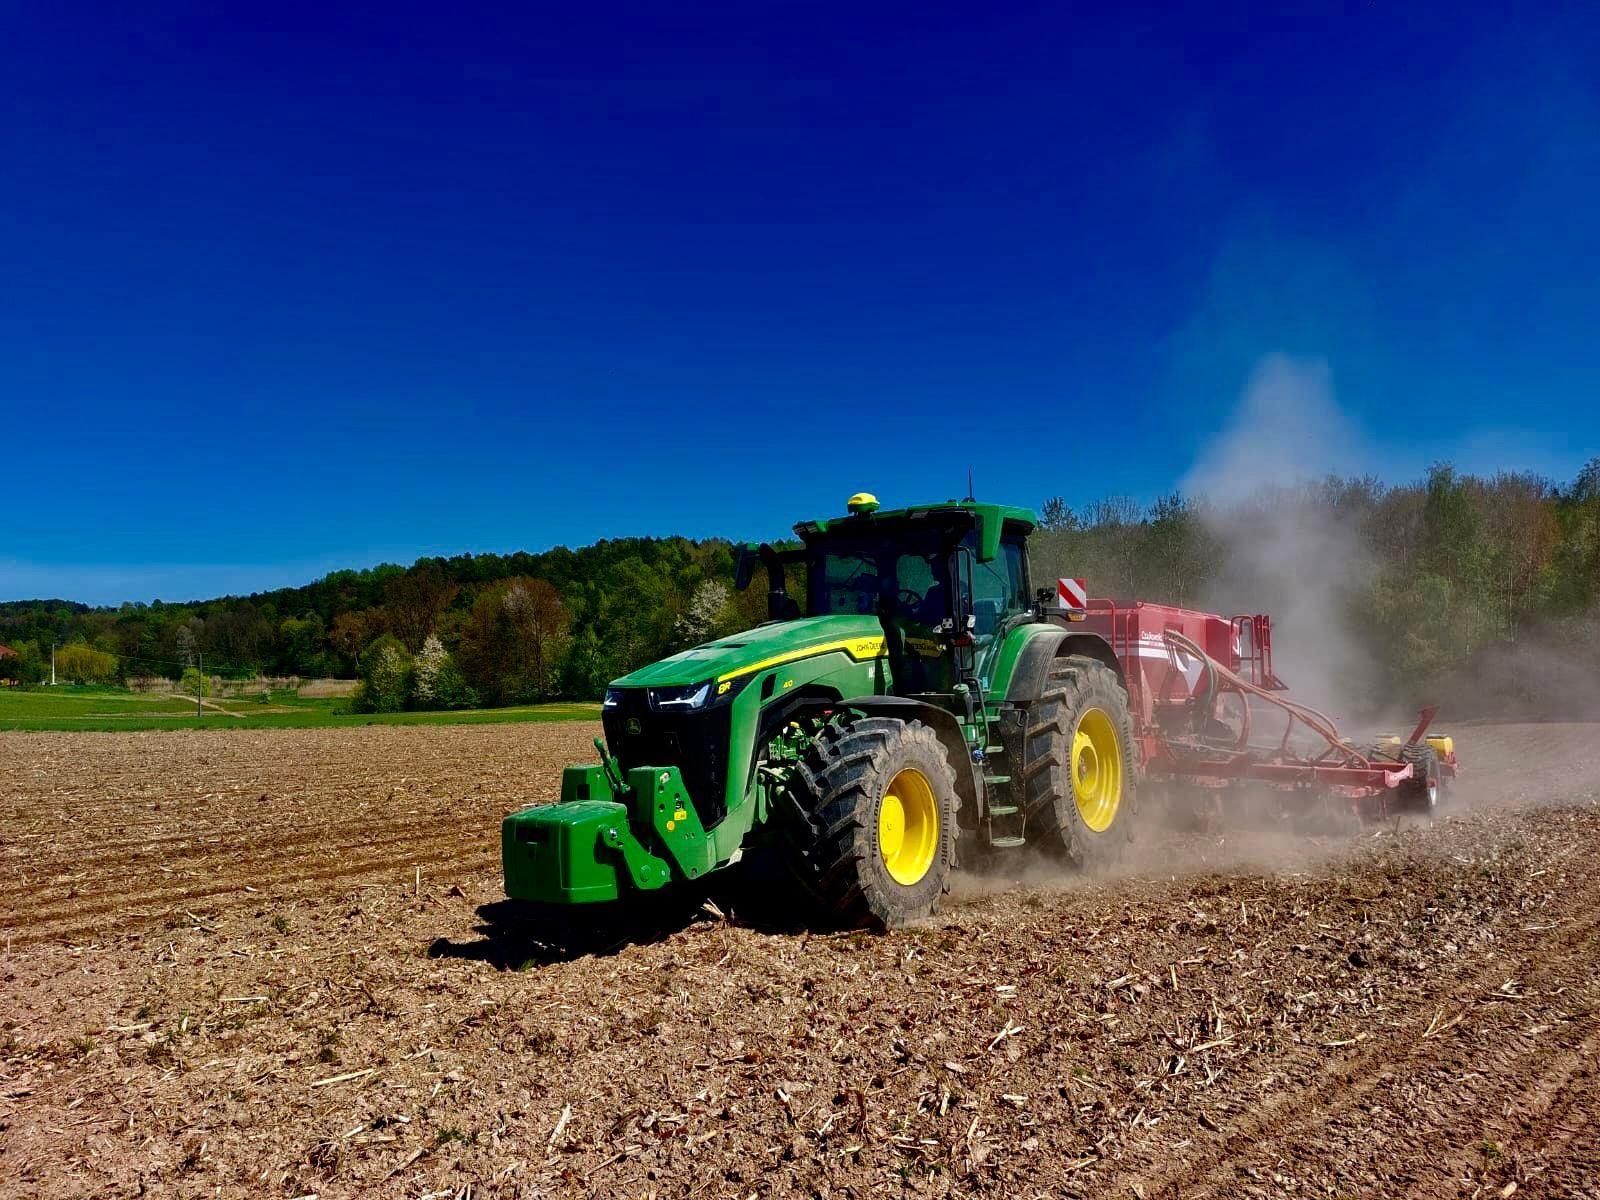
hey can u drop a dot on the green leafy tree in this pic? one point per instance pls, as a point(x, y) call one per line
point(451, 689)
point(385, 678)
point(80, 663)
point(586, 669)
point(193, 682)
point(302, 642)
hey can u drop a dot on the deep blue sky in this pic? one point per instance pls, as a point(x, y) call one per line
point(283, 290)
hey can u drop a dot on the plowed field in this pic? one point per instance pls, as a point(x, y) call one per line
point(252, 964)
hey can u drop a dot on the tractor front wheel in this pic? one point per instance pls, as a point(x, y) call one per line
point(870, 821)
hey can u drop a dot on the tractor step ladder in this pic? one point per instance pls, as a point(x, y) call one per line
point(1007, 816)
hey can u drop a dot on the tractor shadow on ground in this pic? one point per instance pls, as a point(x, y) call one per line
point(516, 936)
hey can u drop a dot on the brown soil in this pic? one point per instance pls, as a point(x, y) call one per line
point(221, 977)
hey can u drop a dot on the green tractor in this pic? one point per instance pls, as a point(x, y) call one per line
point(929, 700)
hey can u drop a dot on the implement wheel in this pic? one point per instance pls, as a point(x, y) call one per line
point(1420, 793)
point(870, 822)
point(1079, 771)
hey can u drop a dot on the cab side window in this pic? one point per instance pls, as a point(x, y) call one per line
point(997, 589)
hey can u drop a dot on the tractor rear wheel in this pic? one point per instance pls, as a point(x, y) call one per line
point(1079, 769)
point(870, 821)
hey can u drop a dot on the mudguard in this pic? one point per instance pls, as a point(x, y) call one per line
point(1032, 673)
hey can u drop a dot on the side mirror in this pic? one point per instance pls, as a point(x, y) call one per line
point(778, 604)
point(744, 566)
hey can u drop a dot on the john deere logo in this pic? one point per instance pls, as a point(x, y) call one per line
point(634, 726)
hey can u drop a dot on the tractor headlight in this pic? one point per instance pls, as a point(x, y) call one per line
point(613, 698)
point(695, 697)
point(690, 696)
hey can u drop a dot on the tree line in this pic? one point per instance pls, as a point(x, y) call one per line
point(461, 631)
point(1419, 585)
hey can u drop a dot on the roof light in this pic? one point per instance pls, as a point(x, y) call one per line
point(863, 502)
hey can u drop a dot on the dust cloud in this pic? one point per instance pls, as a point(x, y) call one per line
point(1550, 673)
point(1284, 545)
point(1163, 847)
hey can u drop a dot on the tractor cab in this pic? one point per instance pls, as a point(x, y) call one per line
point(944, 580)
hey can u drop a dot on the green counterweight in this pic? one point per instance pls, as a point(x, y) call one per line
point(584, 849)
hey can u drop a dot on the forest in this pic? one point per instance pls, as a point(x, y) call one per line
point(1474, 588)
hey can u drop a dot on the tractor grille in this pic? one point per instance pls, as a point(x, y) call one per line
point(694, 742)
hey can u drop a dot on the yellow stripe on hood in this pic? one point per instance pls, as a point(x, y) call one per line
point(860, 648)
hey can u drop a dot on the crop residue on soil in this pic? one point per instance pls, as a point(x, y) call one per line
point(251, 964)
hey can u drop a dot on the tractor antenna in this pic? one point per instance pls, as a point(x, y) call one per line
point(969, 485)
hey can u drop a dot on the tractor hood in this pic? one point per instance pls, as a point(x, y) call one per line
point(861, 637)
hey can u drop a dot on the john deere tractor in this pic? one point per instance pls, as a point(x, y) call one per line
point(910, 697)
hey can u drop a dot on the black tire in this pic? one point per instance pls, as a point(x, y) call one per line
point(1077, 685)
point(1423, 791)
point(830, 818)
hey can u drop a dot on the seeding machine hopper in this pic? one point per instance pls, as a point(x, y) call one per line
point(918, 694)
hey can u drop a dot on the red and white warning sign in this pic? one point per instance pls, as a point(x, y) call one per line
point(1074, 593)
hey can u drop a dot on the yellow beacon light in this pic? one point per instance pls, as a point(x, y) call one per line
point(863, 502)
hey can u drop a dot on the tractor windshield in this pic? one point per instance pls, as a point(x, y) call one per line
point(904, 574)
point(884, 571)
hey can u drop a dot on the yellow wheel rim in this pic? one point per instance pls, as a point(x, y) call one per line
point(1096, 769)
point(908, 826)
